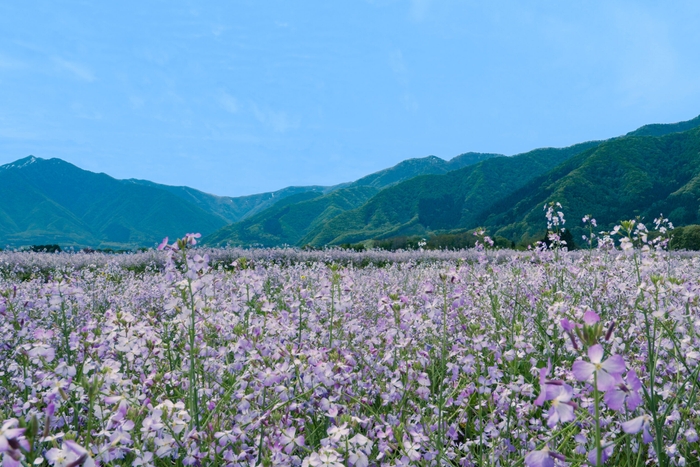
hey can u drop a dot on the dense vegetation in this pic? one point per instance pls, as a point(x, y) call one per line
point(181, 357)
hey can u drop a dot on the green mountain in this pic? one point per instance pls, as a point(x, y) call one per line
point(661, 129)
point(423, 166)
point(231, 209)
point(440, 202)
point(292, 220)
point(655, 169)
point(621, 179)
point(507, 193)
point(52, 201)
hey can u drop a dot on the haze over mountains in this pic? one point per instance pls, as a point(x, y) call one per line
point(648, 171)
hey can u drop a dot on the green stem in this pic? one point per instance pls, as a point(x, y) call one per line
point(596, 397)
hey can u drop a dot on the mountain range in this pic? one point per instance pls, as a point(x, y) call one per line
point(50, 201)
point(654, 169)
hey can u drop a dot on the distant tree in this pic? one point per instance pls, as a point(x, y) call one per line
point(45, 248)
point(685, 238)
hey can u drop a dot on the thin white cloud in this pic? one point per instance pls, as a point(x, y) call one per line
point(279, 121)
point(419, 9)
point(10, 63)
point(228, 102)
point(409, 102)
point(76, 69)
point(81, 111)
point(17, 133)
point(397, 63)
point(136, 102)
point(398, 66)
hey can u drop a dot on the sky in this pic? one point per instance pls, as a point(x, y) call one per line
point(243, 97)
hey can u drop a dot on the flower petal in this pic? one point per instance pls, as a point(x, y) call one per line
point(595, 353)
point(590, 317)
point(615, 398)
point(633, 426)
point(566, 412)
point(614, 365)
point(582, 370)
point(539, 459)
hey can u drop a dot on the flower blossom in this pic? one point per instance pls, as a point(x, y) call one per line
point(616, 397)
point(638, 424)
point(542, 458)
point(607, 372)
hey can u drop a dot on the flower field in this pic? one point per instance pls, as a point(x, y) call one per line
point(283, 357)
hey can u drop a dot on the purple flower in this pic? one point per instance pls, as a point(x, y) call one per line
point(163, 244)
point(9, 434)
point(544, 372)
point(638, 424)
point(590, 317)
point(608, 372)
point(542, 458)
point(616, 397)
point(560, 394)
point(568, 326)
point(190, 238)
point(607, 451)
point(562, 408)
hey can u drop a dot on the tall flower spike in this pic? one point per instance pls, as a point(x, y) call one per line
point(608, 372)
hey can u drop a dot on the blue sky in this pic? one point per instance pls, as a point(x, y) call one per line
point(238, 97)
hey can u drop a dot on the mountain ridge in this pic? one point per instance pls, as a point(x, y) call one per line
point(656, 167)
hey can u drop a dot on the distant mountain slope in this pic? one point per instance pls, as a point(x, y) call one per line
point(284, 223)
point(238, 208)
point(52, 201)
point(231, 209)
point(440, 202)
point(620, 179)
point(288, 221)
point(423, 166)
point(655, 169)
point(661, 129)
point(468, 197)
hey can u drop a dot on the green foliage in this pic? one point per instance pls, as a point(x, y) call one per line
point(45, 248)
point(685, 238)
point(62, 204)
point(626, 177)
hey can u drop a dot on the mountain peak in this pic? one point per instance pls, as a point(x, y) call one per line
point(20, 163)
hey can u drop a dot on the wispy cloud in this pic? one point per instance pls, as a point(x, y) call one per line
point(136, 102)
point(398, 66)
point(10, 63)
point(228, 102)
point(16, 133)
point(81, 111)
point(76, 69)
point(279, 121)
point(419, 9)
